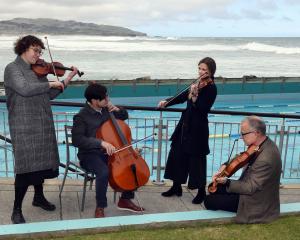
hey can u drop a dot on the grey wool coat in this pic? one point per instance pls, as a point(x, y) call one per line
point(30, 118)
point(258, 187)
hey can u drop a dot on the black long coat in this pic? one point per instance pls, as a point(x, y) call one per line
point(191, 134)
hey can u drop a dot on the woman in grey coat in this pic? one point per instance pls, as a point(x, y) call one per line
point(31, 123)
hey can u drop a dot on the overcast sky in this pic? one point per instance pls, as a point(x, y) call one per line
point(203, 18)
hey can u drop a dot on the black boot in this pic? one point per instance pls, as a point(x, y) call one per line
point(174, 190)
point(17, 216)
point(41, 201)
point(200, 196)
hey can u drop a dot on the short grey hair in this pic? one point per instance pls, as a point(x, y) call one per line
point(256, 123)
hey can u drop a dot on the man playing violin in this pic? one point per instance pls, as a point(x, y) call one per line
point(189, 147)
point(93, 152)
point(31, 123)
point(255, 195)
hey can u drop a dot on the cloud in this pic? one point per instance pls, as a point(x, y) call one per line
point(118, 11)
point(158, 14)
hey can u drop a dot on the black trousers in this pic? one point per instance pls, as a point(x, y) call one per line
point(182, 166)
point(222, 200)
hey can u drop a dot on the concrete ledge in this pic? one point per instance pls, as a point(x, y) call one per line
point(114, 223)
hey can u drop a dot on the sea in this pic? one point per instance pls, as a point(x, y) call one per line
point(104, 58)
point(166, 57)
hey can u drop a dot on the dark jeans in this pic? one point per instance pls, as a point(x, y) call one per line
point(222, 200)
point(96, 162)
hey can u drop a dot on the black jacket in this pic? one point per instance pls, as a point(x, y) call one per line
point(85, 126)
point(192, 130)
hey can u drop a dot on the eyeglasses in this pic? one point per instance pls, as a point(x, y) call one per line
point(37, 50)
point(246, 133)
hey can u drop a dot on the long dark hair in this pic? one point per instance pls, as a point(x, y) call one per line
point(211, 64)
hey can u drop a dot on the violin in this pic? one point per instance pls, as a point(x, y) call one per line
point(235, 164)
point(127, 169)
point(203, 81)
point(42, 69)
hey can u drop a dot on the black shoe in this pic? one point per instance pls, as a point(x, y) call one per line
point(174, 190)
point(200, 196)
point(17, 216)
point(43, 203)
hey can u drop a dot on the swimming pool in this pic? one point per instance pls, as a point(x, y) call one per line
point(224, 130)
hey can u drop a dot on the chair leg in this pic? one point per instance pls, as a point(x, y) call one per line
point(115, 196)
point(91, 181)
point(61, 189)
point(64, 180)
point(84, 192)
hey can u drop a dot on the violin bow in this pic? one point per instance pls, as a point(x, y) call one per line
point(183, 91)
point(51, 58)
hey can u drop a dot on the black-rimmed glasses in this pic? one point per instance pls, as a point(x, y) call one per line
point(246, 133)
point(37, 50)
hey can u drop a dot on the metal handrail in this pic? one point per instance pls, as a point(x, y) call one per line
point(236, 113)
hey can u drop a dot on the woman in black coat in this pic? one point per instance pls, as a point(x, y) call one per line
point(189, 147)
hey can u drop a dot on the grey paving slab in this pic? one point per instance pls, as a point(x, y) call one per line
point(90, 204)
point(37, 214)
point(289, 195)
point(4, 187)
point(70, 206)
point(148, 197)
point(155, 203)
point(6, 200)
point(187, 199)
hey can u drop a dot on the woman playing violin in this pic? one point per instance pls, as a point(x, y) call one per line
point(255, 195)
point(189, 147)
point(31, 123)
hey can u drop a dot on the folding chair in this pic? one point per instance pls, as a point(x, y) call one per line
point(75, 168)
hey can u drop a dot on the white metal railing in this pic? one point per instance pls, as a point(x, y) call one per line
point(155, 150)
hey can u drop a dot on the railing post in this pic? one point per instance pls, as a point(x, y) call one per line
point(159, 149)
point(280, 146)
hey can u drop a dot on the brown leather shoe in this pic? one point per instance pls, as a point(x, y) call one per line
point(99, 212)
point(128, 205)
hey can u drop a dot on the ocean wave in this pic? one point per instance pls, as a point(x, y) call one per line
point(259, 47)
point(151, 44)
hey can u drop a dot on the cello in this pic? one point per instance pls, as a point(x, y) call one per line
point(235, 164)
point(127, 169)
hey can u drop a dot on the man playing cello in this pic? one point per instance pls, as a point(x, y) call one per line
point(93, 152)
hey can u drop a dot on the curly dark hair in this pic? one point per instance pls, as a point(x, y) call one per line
point(211, 64)
point(95, 91)
point(23, 43)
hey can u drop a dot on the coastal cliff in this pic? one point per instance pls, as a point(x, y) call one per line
point(59, 27)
